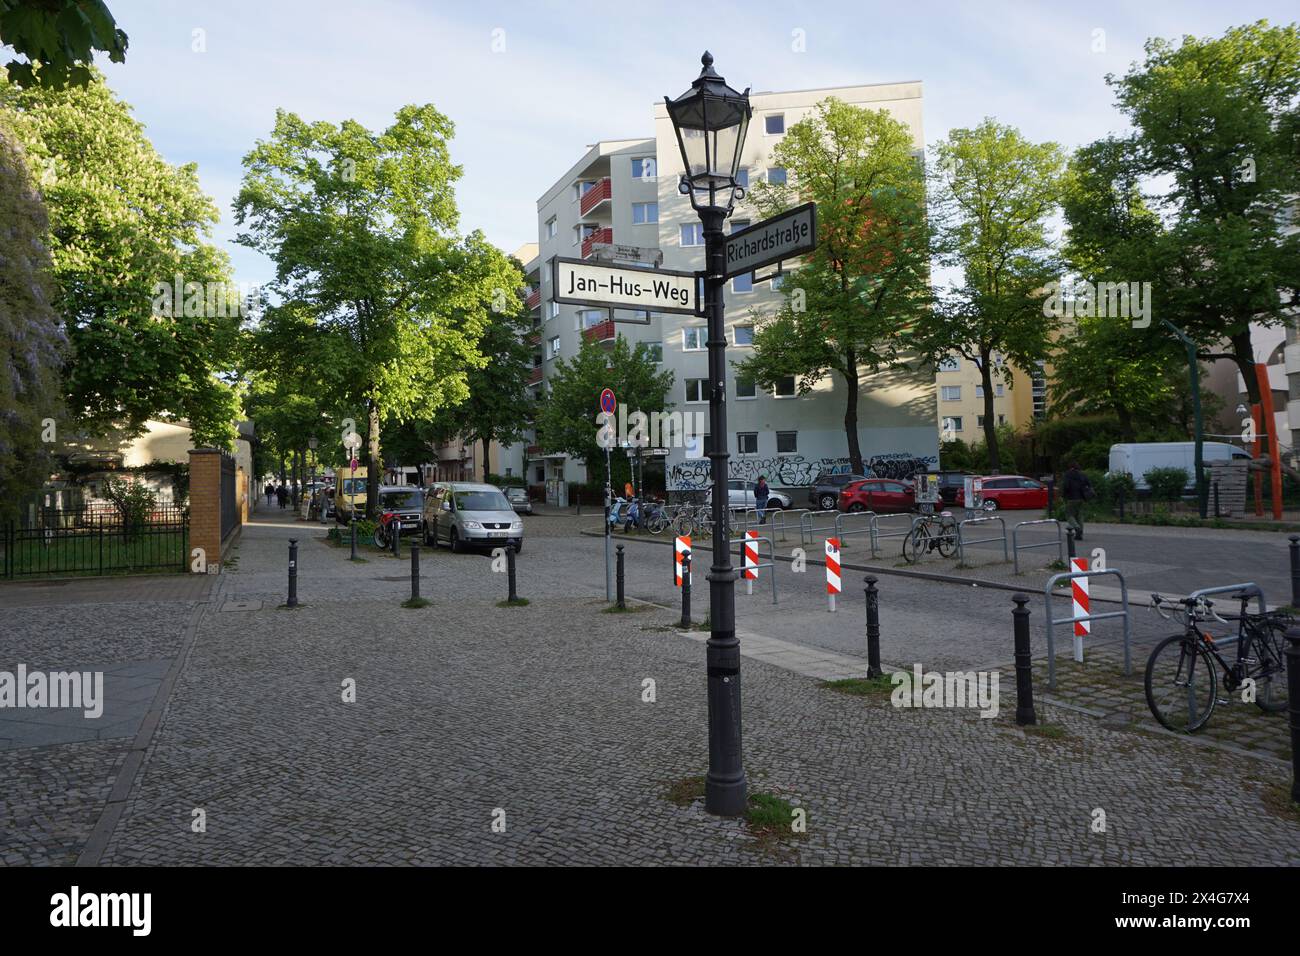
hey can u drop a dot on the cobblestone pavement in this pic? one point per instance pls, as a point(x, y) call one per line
point(464, 708)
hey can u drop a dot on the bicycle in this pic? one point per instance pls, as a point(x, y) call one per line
point(1181, 681)
point(925, 537)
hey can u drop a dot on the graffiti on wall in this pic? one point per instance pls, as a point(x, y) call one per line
point(792, 471)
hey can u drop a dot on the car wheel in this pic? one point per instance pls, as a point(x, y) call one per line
point(990, 504)
point(517, 545)
point(827, 502)
point(857, 507)
point(455, 542)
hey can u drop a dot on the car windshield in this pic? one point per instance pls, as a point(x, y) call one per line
point(481, 501)
point(516, 492)
point(402, 500)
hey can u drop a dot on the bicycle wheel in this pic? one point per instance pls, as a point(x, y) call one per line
point(947, 540)
point(1272, 692)
point(683, 525)
point(1181, 685)
point(916, 544)
point(658, 521)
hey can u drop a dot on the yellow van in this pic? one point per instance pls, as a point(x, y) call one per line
point(350, 492)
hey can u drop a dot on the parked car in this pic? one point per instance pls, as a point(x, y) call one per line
point(350, 492)
point(740, 496)
point(401, 505)
point(1009, 492)
point(825, 492)
point(950, 483)
point(519, 500)
point(1137, 458)
point(467, 515)
point(878, 494)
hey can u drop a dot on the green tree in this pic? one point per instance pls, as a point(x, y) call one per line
point(31, 342)
point(361, 227)
point(59, 39)
point(846, 308)
point(1216, 137)
point(994, 194)
point(125, 224)
point(566, 419)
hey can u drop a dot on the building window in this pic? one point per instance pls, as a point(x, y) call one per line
point(540, 474)
point(655, 351)
point(774, 124)
point(950, 393)
point(745, 388)
point(951, 364)
point(997, 391)
point(742, 177)
point(694, 338)
point(587, 318)
point(746, 443)
point(979, 421)
point(643, 167)
point(952, 423)
point(1038, 379)
point(706, 442)
point(787, 443)
point(744, 335)
point(581, 188)
point(778, 281)
point(551, 228)
point(784, 387)
point(776, 175)
point(697, 389)
point(1002, 419)
point(743, 282)
point(979, 391)
point(644, 212)
point(582, 231)
point(555, 346)
point(739, 224)
point(553, 308)
point(693, 234)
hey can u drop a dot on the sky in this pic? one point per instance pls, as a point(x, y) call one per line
point(530, 85)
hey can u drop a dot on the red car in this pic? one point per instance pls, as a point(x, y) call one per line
point(1012, 492)
point(877, 494)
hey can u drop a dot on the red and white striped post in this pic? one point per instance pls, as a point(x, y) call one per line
point(1079, 586)
point(751, 560)
point(832, 571)
point(681, 547)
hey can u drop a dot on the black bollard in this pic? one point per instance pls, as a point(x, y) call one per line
point(686, 589)
point(1295, 570)
point(1024, 663)
point(293, 573)
point(618, 576)
point(415, 572)
point(510, 571)
point(353, 522)
point(1051, 494)
point(1293, 688)
point(873, 627)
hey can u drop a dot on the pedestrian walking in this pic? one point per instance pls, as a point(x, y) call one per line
point(1076, 489)
point(269, 491)
point(282, 493)
point(761, 494)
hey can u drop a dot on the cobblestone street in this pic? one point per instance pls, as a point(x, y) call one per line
point(464, 709)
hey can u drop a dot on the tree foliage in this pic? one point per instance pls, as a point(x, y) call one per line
point(845, 309)
point(58, 38)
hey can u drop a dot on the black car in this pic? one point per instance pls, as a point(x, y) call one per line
point(825, 493)
point(950, 482)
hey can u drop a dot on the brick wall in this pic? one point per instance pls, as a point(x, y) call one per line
point(205, 506)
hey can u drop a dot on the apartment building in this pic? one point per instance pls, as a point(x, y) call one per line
point(620, 201)
point(1019, 399)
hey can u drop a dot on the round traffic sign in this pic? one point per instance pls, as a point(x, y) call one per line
point(607, 402)
point(354, 465)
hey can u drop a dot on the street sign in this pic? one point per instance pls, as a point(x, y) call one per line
point(613, 250)
point(657, 452)
point(604, 285)
point(354, 465)
point(607, 402)
point(786, 236)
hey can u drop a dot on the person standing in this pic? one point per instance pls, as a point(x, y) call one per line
point(761, 495)
point(282, 493)
point(1075, 489)
point(269, 491)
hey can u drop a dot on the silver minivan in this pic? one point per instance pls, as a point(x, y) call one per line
point(468, 515)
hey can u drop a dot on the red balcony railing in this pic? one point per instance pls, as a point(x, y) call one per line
point(534, 299)
point(600, 332)
point(599, 236)
point(534, 449)
point(597, 194)
point(536, 376)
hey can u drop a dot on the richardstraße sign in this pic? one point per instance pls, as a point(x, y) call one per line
point(604, 285)
point(786, 236)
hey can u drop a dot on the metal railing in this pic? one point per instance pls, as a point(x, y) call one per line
point(808, 525)
point(778, 520)
point(770, 564)
point(1059, 543)
point(1104, 616)
point(962, 540)
point(95, 546)
point(870, 529)
point(877, 535)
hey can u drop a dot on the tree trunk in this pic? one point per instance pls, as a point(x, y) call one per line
point(1244, 355)
point(487, 442)
point(851, 411)
point(990, 428)
point(1122, 412)
point(372, 455)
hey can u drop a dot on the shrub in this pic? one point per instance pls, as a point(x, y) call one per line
point(1112, 482)
point(507, 481)
point(134, 502)
point(1167, 484)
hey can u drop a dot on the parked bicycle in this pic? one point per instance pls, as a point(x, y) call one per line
point(1182, 685)
point(936, 532)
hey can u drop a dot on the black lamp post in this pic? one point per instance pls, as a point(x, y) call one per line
point(710, 120)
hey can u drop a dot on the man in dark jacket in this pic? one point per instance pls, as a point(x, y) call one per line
point(1075, 489)
point(761, 494)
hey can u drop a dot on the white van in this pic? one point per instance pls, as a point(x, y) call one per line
point(1140, 457)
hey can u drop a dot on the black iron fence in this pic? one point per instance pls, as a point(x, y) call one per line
point(91, 541)
point(229, 503)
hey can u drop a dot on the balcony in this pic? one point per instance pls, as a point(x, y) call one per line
point(600, 332)
point(536, 375)
point(598, 237)
point(597, 194)
point(534, 451)
point(534, 299)
point(533, 337)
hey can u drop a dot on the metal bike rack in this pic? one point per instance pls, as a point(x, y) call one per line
point(917, 521)
point(808, 525)
point(1059, 543)
point(877, 534)
point(962, 542)
point(1104, 616)
point(870, 529)
point(778, 519)
point(770, 564)
point(1248, 588)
